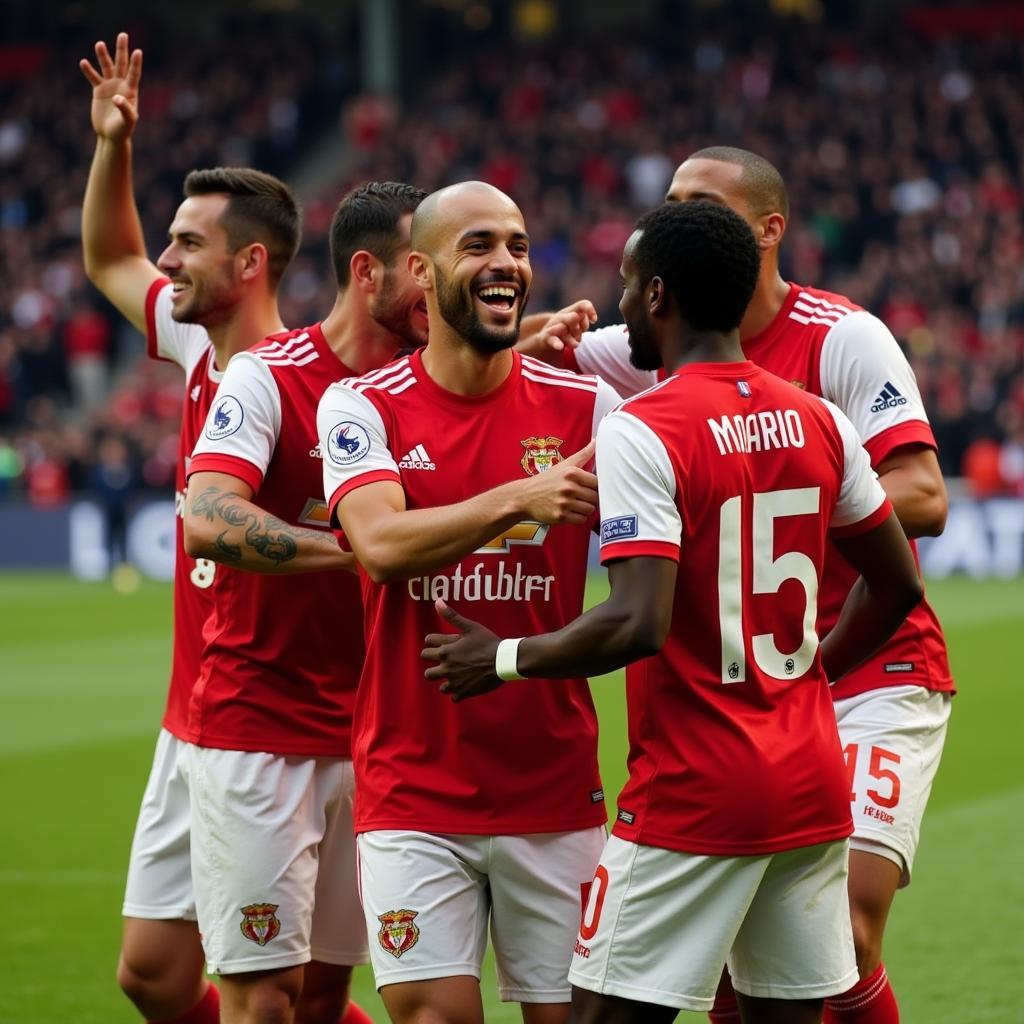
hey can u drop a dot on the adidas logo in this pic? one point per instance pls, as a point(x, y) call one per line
point(195, 393)
point(417, 458)
point(888, 398)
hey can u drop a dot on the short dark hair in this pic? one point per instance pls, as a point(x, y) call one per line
point(261, 208)
point(707, 257)
point(366, 218)
point(763, 185)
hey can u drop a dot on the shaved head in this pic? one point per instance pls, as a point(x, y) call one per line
point(761, 184)
point(446, 210)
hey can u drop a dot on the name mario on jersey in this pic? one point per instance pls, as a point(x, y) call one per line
point(758, 431)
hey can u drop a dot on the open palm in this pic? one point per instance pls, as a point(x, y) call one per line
point(115, 89)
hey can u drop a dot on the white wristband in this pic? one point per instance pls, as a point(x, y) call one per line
point(506, 660)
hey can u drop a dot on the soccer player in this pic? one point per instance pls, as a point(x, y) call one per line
point(718, 487)
point(270, 715)
point(211, 294)
point(892, 710)
point(452, 474)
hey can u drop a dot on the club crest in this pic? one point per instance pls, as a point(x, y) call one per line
point(398, 932)
point(260, 923)
point(541, 454)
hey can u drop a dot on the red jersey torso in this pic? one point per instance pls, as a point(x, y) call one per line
point(282, 653)
point(829, 346)
point(523, 760)
point(734, 748)
point(190, 347)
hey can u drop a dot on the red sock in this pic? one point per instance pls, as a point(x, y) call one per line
point(726, 1010)
point(871, 1001)
point(206, 1011)
point(355, 1014)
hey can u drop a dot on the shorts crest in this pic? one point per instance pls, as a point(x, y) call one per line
point(260, 922)
point(398, 932)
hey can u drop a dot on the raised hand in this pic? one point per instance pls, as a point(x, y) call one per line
point(565, 493)
point(561, 330)
point(115, 89)
point(464, 660)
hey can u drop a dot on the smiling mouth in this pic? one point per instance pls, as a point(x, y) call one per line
point(501, 298)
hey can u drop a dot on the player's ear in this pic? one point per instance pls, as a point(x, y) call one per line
point(365, 270)
point(656, 296)
point(252, 260)
point(770, 230)
point(421, 269)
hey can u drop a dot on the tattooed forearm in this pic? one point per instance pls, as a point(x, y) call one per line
point(265, 535)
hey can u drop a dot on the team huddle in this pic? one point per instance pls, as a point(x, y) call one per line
point(379, 742)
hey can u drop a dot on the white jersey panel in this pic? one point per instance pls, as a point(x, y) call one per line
point(636, 483)
point(605, 353)
point(864, 371)
point(184, 344)
point(245, 418)
point(860, 494)
point(352, 437)
point(607, 400)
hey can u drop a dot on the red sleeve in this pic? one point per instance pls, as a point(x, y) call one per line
point(359, 481)
point(152, 342)
point(876, 518)
point(639, 549)
point(569, 359)
point(911, 432)
point(229, 464)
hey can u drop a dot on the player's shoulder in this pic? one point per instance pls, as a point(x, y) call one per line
point(817, 302)
point(388, 381)
point(544, 375)
point(286, 350)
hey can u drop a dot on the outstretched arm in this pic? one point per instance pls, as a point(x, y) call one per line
point(112, 241)
point(223, 524)
point(393, 542)
point(631, 624)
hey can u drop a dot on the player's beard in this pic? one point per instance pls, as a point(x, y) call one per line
point(209, 301)
point(643, 353)
point(391, 309)
point(458, 311)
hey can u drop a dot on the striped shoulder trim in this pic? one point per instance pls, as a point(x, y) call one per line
point(543, 369)
point(643, 394)
point(811, 309)
point(297, 351)
point(393, 379)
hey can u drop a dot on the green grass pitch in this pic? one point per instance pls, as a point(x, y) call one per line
point(82, 677)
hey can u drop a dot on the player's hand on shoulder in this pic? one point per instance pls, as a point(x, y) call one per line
point(565, 493)
point(465, 660)
point(561, 330)
point(115, 89)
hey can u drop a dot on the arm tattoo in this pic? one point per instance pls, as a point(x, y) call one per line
point(270, 537)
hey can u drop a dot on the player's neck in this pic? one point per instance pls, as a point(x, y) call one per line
point(456, 366)
point(355, 337)
point(249, 324)
point(702, 347)
point(769, 295)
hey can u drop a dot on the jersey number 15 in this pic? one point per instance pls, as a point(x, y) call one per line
point(769, 573)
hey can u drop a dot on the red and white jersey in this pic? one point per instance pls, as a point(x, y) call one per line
point(282, 654)
point(524, 760)
point(190, 347)
point(829, 346)
point(739, 476)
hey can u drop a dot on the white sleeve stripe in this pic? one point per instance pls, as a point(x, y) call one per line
point(384, 371)
point(271, 346)
point(287, 361)
point(822, 302)
point(543, 368)
point(812, 319)
point(576, 385)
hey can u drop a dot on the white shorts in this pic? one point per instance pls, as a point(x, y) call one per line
point(428, 898)
point(892, 739)
point(659, 925)
point(159, 886)
point(273, 860)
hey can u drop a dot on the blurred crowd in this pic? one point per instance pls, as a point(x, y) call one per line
point(905, 165)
